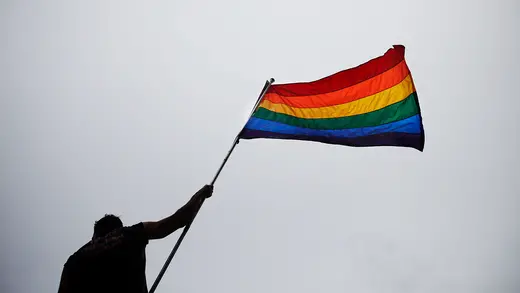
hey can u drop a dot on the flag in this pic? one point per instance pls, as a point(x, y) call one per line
point(373, 104)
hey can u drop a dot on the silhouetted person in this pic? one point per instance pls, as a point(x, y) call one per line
point(114, 260)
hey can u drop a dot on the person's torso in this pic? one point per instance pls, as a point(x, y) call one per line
point(112, 266)
point(123, 271)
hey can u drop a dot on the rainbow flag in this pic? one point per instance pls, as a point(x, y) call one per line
point(373, 104)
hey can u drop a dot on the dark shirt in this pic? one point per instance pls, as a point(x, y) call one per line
point(114, 263)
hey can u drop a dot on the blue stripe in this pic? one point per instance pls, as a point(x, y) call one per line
point(408, 125)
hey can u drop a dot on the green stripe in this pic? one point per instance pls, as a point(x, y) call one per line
point(395, 112)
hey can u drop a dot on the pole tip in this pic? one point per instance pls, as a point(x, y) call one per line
point(271, 80)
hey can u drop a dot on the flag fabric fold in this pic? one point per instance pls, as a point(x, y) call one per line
point(373, 104)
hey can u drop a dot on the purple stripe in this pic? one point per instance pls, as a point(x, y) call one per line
point(398, 139)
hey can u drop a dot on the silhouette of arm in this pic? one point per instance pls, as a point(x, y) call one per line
point(168, 225)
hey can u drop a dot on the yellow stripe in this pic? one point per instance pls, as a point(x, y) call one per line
point(367, 104)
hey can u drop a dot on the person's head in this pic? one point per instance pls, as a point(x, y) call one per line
point(106, 225)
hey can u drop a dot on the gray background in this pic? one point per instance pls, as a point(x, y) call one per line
point(128, 107)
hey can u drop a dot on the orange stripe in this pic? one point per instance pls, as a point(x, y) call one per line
point(366, 88)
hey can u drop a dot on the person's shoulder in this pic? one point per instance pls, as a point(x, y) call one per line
point(136, 233)
point(136, 227)
point(76, 256)
point(71, 260)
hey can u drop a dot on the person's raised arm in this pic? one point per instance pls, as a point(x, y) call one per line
point(166, 226)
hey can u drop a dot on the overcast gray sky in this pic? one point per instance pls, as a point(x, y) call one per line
point(129, 107)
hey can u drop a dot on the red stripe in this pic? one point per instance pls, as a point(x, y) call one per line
point(343, 79)
point(377, 84)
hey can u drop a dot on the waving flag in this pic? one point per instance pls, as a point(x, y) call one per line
point(374, 104)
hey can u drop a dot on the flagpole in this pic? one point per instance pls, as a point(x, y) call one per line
point(268, 83)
